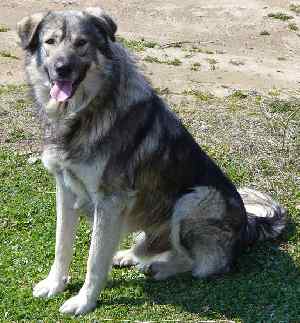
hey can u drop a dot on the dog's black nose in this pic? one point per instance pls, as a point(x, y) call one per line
point(62, 67)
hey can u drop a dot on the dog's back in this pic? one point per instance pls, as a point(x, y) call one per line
point(118, 153)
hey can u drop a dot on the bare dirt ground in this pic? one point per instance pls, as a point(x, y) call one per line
point(218, 45)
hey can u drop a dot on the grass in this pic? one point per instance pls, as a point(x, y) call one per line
point(136, 45)
point(6, 54)
point(18, 128)
point(264, 33)
point(162, 91)
point(200, 95)
point(17, 134)
point(236, 62)
point(12, 89)
point(152, 59)
point(280, 16)
point(280, 106)
point(212, 63)
point(293, 26)
point(3, 28)
point(238, 94)
point(265, 284)
point(196, 49)
point(295, 7)
point(196, 66)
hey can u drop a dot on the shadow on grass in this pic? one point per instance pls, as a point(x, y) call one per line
point(265, 286)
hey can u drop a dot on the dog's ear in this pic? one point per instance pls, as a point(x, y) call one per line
point(103, 21)
point(27, 29)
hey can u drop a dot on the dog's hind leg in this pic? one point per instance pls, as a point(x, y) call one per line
point(132, 256)
point(160, 258)
point(125, 258)
point(67, 220)
point(203, 236)
point(157, 258)
point(166, 265)
point(208, 230)
point(147, 246)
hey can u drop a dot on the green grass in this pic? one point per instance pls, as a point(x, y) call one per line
point(238, 94)
point(196, 66)
point(212, 63)
point(136, 45)
point(264, 287)
point(196, 49)
point(12, 89)
point(3, 28)
point(6, 54)
point(162, 91)
point(293, 27)
point(200, 95)
point(17, 134)
point(295, 8)
point(280, 16)
point(236, 62)
point(264, 33)
point(152, 59)
point(278, 105)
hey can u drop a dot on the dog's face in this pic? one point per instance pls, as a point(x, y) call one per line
point(66, 47)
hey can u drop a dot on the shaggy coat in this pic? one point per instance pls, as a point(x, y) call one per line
point(120, 156)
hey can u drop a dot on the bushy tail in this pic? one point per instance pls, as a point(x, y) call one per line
point(266, 218)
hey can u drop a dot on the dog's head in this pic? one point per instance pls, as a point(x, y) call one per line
point(65, 47)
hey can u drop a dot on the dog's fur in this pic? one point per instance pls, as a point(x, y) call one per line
point(121, 156)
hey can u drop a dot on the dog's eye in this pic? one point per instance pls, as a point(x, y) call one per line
point(50, 41)
point(80, 42)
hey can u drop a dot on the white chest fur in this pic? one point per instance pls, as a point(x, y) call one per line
point(83, 179)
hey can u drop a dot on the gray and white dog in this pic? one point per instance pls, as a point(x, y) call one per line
point(122, 157)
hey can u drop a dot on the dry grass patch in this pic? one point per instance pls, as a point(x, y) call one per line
point(280, 16)
point(152, 59)
point(19, 129)
point(6, 54)
point(293, 26)
point(295, 7)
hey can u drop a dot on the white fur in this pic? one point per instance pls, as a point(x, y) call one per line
point(78, 184)
point(260, 204)
point(67, 221)
point(105, 238)
point(125, 258)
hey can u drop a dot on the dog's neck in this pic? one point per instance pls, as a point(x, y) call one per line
point(84, 120)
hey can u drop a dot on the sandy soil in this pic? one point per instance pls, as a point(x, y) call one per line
point(222, 37)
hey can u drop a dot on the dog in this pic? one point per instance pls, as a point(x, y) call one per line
point(123, 158)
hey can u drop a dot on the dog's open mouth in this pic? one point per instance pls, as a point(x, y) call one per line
point(62, 90)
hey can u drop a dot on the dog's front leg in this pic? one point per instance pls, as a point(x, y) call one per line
point(67, 220)
point(105, 238)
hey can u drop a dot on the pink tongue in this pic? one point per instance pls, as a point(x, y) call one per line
point(61, 90)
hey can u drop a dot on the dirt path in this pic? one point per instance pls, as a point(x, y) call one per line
point(214, 46)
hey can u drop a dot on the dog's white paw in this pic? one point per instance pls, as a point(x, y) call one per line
point(49, 287)
point(124, 258)
point(78, 305)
